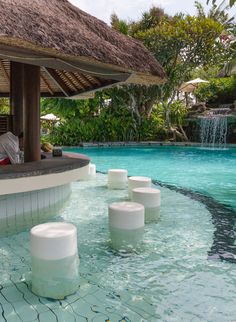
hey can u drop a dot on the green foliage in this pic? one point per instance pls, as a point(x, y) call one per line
point(119, 25)
point(230, 67)
point(108, 126)
point(4, 106)
point(70, 109)
point(205, 73)
point(178, 112)
point(149, 19)
point(181, 44)
point(217, 12)
point(219, 90)
point(231, 2)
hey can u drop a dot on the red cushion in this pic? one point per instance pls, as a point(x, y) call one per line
point(5, 161)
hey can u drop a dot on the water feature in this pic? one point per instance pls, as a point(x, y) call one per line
point(213, 128)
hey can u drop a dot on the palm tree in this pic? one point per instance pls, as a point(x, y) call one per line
point(217, 13)
point(231, 2)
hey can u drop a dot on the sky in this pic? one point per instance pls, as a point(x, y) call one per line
point(133, 9)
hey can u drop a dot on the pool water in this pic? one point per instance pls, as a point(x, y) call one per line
point(168, 278)
point(212, 172)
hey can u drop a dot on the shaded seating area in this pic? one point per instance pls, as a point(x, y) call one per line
point(54, 49)
point(70, 54)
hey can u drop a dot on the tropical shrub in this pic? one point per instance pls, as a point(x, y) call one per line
point(219, 90)
point(108, 127)
point(4, 106)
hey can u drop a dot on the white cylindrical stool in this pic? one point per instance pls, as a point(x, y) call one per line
point(92, 170)
point(137, 182)
point(117, 178)
point(54, 259)
point(126, 224)
point(150, 198)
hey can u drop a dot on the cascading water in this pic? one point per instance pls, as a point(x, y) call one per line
point(213, 128)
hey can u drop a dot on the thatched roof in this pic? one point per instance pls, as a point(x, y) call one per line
point(55, 34)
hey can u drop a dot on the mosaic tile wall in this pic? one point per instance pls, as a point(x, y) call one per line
point(23, 210)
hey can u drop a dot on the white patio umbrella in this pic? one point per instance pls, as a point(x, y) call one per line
point(191, 85)
point(50, 117)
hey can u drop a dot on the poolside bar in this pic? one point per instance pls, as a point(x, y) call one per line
point(56, 61)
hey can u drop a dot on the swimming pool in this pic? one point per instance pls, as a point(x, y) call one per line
point(169, 277)
point(211, 172)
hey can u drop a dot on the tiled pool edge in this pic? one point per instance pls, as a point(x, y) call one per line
point(141, 143)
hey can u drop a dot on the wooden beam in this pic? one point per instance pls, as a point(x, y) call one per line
point(77, 81)
point(95, 79)
point(7, 77)
point(58, 81)
point(31, 113)
point(65, 75)
point(108, 84)
point(16, 96)
point(47, 84)
point(43, 94)
point(78, 75)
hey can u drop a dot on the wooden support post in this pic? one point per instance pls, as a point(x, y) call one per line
point(31, 113)
point(16, 96)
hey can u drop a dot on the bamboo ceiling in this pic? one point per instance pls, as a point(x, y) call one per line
point(57, 83)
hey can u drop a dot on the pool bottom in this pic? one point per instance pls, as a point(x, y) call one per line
point(168, 279)
point(224, 220)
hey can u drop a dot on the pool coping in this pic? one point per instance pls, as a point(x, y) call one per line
point(140, 143)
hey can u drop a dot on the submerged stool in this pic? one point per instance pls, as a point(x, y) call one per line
point(150, 198)
point(126, 224)
point(117, 178)
point(54, 259)
point(136, 182)
point(92, 170)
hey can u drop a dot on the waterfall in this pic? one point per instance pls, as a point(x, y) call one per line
point(213, 129)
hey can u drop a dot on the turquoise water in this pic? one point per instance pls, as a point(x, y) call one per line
point(169, 278)
point(212, 172)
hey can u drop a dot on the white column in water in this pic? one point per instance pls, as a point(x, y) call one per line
point(54, 259)
point(126, 225)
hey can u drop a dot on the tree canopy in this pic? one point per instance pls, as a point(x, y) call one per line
point(184, 45)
